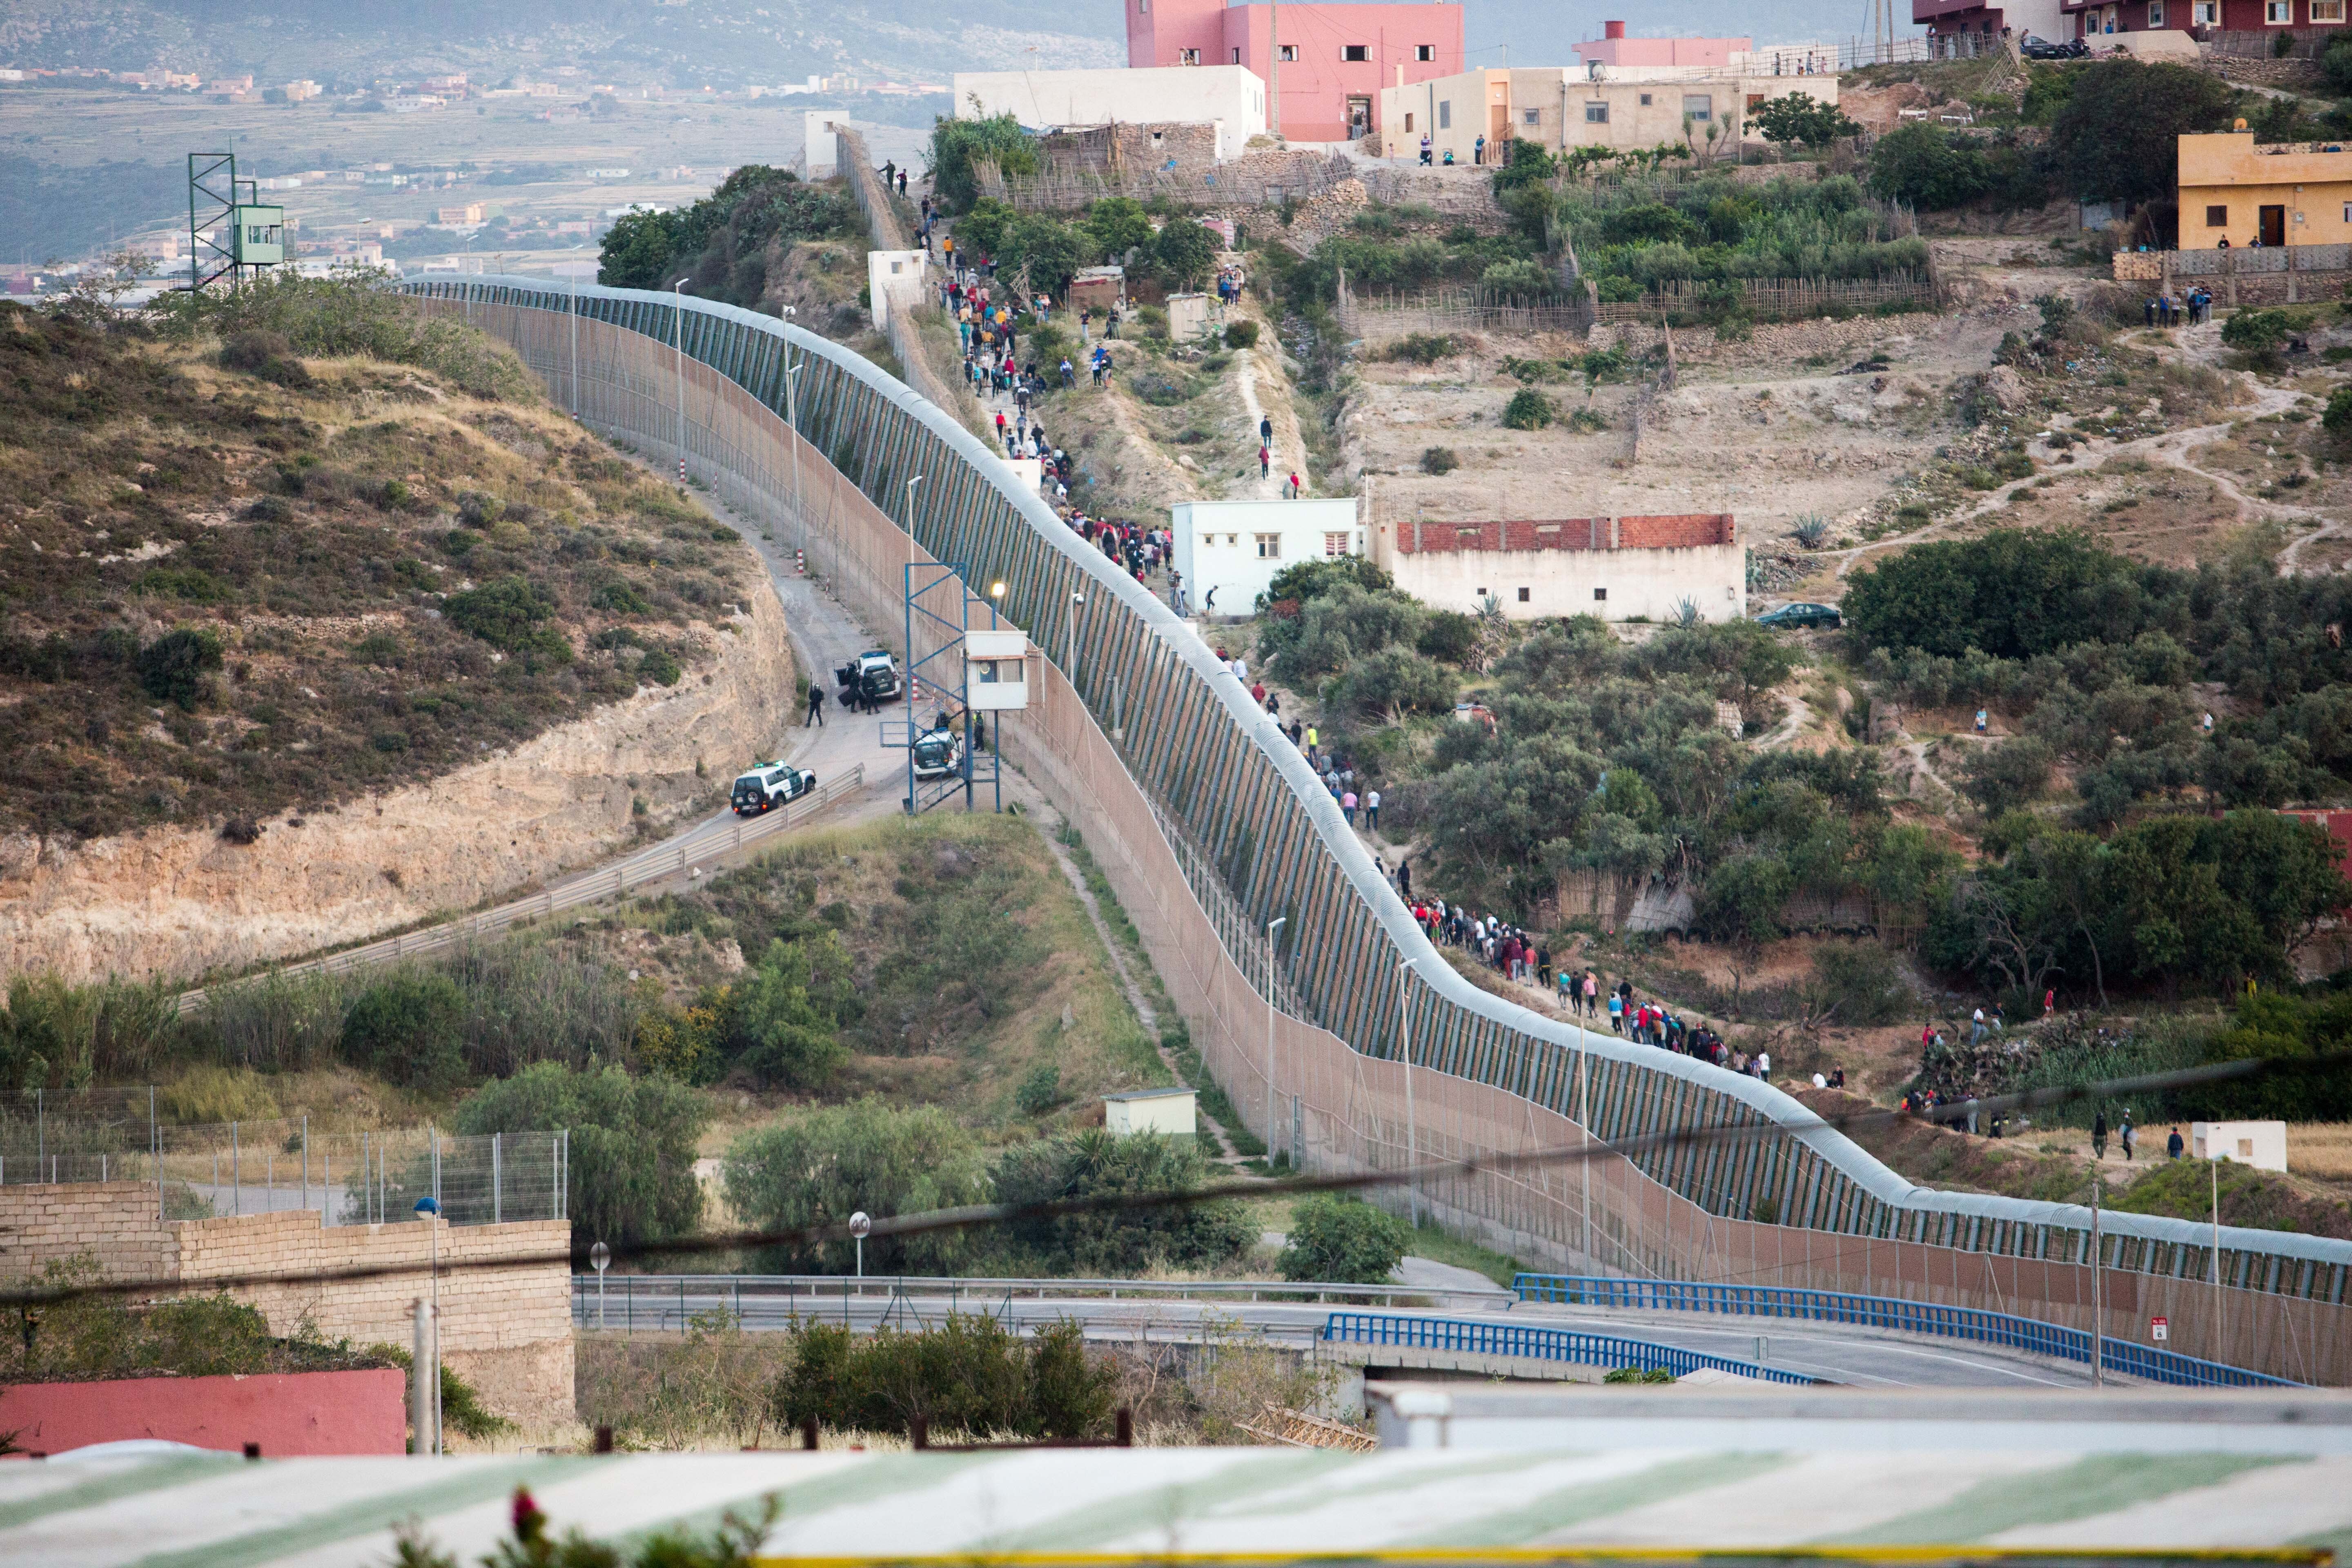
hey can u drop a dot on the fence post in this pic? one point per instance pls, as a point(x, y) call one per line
point(497, 1211)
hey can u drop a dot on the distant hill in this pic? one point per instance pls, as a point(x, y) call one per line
point(685, 43)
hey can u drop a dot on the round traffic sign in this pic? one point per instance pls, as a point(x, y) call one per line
point(600, 1256)
point(860, 1226)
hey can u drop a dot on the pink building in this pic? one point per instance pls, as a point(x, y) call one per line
point(1335, 58)
point(1614, 48)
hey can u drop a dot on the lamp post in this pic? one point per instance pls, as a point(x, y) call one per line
point(678, 341)
point(572, 303)
point(792, 417)
point(995, 601)
point(1412, 1133)
point(425, 1358)
point(601, 1256)
point(1271, 926)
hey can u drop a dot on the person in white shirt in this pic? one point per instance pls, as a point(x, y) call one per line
point(1764, 1064)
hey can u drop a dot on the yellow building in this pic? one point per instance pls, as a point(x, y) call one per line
point(2290, 194)
point(1620, 108)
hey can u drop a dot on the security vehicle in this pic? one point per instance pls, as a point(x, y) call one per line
point(1789, 617)
point(939, 753)
point(876, 674)
point(769, 786)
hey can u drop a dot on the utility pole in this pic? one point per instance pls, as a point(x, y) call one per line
point(2098, 1324)
point(1412, 1132)
point(1271, 928)
point(677, 341)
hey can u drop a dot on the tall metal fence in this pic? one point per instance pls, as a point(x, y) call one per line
point(213, 1170)
point(1390, 1057)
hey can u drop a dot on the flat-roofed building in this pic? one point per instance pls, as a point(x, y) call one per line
point(2294, 192)
point(1563, 107)
point(1618, 568)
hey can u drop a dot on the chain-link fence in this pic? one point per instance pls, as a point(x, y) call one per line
point(210, 1170)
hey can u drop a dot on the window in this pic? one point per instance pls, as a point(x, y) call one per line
point(1755, 99)
point(1408, 124)
point(1269, 546)
point(1237, 57)
point(2156, 13)
point(1523, 596)
point(1356, 54)
point(1208, 541)
point(1531, 117)
point(1287, 53)
point(1143, 5)
point(1233, 540)
point(1445, 115)
point(1646, 100)
point(2219, 217)
point(2278, 13)
point(1334, 544)
point(1599, 595)
point(1596, 114)
point(2328, 11)
point(2348, 212)
point(1699, 106)
point(2206, 13)
point(1188, 57)
point(1424, 52)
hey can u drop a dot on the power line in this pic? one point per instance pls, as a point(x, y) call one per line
point(977, 1217)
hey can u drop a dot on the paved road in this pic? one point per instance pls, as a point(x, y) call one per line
point(1859, 1357)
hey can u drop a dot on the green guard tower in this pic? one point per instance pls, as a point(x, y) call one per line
point(230, 229)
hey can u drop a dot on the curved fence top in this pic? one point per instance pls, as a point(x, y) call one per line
point(1768, 1105)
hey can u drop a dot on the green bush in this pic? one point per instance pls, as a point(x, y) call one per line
point(633, 1144)
point(172, 668)
point(620, 598)
point(1241, 334)
point(1395, 681)
point(969, 1375)
point(1423, 348)
point(785, 1016)
point(1040, 1090)
point(1092, 1164)
point(1449, 637)
point(866, 1155)
point(509, 614)
point(1343, 1241)
point(409, 1029)
point(1439, 460)
point(659, 668)
point(1528, 410)
point(2336, 418)
point(1858, 983)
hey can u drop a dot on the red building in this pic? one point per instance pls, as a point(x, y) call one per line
point(2059, 19)
point(1334, 59)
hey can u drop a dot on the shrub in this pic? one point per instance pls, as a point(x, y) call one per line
point(866, 1156)
point(265, 354)
point(2010, 774)
point(2257, 333)
point(783, 1027)
point(620, 598)
point(2336, 420)
point(970, 1374)
point(1439, 460)
point(1093, 1163)
point(1448, 636)
point(1241, 334)
point(1813, 530)
point(1040, 1090)
point(1528, 410)
point(171, 668)
point(1858, 983)
point(633, 1143)
point(660, 667)
point(409, 1029)
point(1343, 1240)
point(510, 614)
point(1423, 348)
point(1395, 681)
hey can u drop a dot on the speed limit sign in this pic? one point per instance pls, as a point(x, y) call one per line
point(2160, 1328)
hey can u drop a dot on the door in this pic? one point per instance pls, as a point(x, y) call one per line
point(2272, 221)
point(1360, 117)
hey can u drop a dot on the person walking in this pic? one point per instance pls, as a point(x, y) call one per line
point(816, 706)
point(2173, 1146)
point(1371, 811)
point(1977, 1028)
point(2128, 1135)
point(1266, 462)
point(1616, 1013)
point(1297, 490)
point(1266, 429)
point(1348, 805)
point(2098, 1135)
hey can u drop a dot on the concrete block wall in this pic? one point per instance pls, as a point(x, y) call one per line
point(112, 1223)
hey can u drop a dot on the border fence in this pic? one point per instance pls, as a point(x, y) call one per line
point(1391, 1059)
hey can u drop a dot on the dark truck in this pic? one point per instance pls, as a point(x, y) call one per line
point(875, 676)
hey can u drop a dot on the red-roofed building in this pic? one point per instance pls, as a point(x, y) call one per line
point(1619, 568)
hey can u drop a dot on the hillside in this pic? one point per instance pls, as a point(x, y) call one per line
point(235, 580)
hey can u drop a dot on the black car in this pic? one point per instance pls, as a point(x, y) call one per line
point(1799, 615)
point(2034, 48)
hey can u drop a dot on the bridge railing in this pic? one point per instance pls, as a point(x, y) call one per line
point(2003, 1329)
point(1572, 1346)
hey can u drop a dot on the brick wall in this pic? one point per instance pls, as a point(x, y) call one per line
point(520, 1312)
point(1680, 531)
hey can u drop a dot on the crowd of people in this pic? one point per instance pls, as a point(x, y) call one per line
point(2168, 309)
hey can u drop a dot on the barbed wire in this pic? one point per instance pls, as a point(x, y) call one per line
point(974, 1216)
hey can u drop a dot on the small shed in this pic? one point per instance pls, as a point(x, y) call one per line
point(2262, 1144)
point(1163, 1110)
point(1187, 317)
point(1097, 289)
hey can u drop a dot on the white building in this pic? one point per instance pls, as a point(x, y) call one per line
point(2262, 1144)
point(1618, 568)
point(1229, 551)
point(894, 280)
point(1167, 1112)
point(1230, 98)
point(1558, 108)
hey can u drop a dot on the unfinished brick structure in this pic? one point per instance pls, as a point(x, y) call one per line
point(508, 1328)
point(1619, 568)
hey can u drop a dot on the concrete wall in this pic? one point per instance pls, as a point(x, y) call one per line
point(894, 280)
point(508, 1327)
point(288, 1414)
point(1553, 108)
point(2262, 1144)
point(1217, 545)
point(1615, 585)
point(1228, 96)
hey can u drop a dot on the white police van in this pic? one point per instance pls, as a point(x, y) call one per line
point(769, 786)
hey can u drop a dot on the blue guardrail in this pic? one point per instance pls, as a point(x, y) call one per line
point(1891, 1313)
point(1536, 1344)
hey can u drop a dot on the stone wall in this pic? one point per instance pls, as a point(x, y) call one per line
point(508, 1327)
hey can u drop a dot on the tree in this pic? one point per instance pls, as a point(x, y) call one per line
point(1045, 248)
point(786, 1014)
point(836, 1162)
point(957, 144)
point(636, 251)
point(2010, 593)
point(2118, 137)
point(1920, 164)
point(1342, 1241)
point(1797, 118)
point(1117, 225)
point(409, 1029)
point(2257, 333)
point(1093, 1163)
point(1185, 254)
point(171, 668)
point(510, 614)
point(633, 1143)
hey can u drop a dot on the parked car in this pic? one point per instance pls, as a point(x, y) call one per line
point(939, 753)
point(876, 674)
point(769, 786)
point(1799, 615)
point(2035, 48)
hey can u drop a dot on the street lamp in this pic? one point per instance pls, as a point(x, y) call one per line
point(601, 1256)
point(792, 417)
point(677, 341)
point(1411, 1134)
point(995, 601)
point(424, 1360)
point(1272, 927)
point(572, 303)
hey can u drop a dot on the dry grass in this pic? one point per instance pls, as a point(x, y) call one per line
point(2320, 1151)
